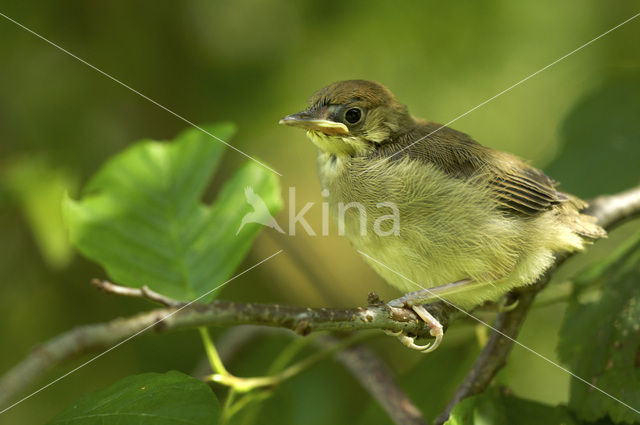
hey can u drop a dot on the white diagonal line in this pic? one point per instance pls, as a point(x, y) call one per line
point(96, 357)
point(136, 92)
point(503, 334)
point(503, 92)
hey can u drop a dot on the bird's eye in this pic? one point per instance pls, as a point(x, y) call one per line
point(353, 115)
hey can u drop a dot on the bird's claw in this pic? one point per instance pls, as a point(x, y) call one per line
point(409, 341)
point(506, 307)
point(436, 331)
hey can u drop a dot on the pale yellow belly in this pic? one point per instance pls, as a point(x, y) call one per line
point(449, 230)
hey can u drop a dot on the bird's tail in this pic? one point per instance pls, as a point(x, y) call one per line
point(583, 224)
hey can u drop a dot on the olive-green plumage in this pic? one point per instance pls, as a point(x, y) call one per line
point(466, 211)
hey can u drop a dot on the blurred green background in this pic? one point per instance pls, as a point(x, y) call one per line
point(252, 62)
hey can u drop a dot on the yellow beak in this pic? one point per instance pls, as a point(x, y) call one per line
point(307, 121)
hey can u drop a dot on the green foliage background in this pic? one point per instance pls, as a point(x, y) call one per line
point(251, 62)
point(132, 398)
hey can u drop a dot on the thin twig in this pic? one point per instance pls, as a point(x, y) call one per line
point(144, 292)
point(96, 337)
point(363, 363)
point(244, 385)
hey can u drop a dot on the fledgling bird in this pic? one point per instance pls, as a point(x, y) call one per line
point(475, 222)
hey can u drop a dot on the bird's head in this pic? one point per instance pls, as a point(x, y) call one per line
point(352, 117)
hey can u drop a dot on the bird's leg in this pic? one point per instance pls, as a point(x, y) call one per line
point(415, 301)
point(424, 296)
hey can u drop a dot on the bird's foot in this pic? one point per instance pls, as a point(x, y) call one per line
point(415, 301)
point(435, 331)
point(505, 306)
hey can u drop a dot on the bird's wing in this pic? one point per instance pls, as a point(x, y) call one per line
point(517, 186)
point(525, 189)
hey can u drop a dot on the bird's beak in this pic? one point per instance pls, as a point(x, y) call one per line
point(309, 121)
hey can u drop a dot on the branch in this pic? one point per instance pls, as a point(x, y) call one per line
point(610, 211)
point(495, 352)
point(302, 320)
point(145, 292)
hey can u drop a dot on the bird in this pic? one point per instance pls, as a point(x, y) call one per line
point(260, 213)
point(474, 222)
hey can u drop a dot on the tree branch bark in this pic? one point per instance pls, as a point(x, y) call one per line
point(100, 336)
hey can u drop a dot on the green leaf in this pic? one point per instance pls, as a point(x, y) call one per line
point(172, 398)
point(496, 408)
point(600, 341)
point(141, 217)
point(598, 269)
point(38, 187)
point(601, 134)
